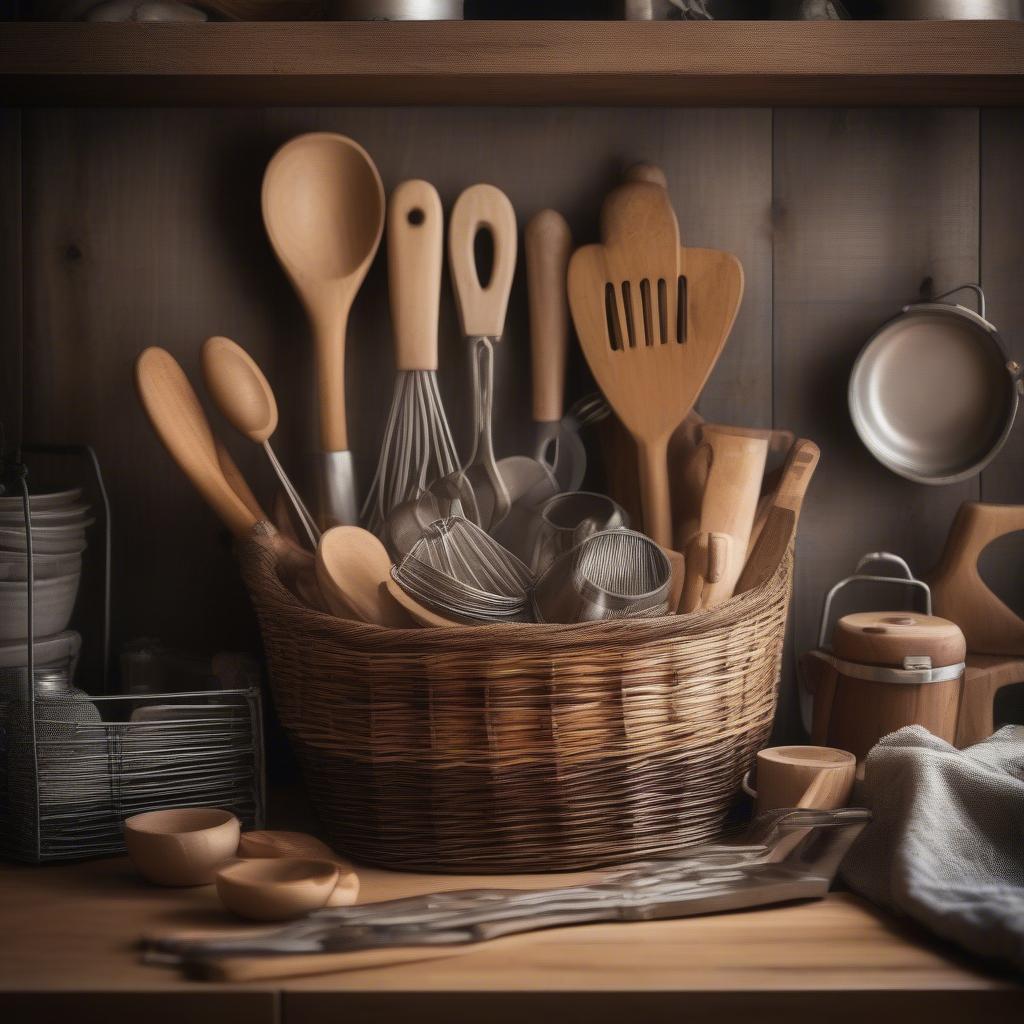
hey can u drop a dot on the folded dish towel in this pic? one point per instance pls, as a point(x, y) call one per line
point(946, 841)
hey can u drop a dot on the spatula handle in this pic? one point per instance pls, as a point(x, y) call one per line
point(415, 244)
point(482, 310)
point(654, 495)
point(548, 247)
point(179, 421)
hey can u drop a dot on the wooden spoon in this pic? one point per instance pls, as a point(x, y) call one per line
point(243, 394)
point(179, 420)
point(418, 612)
point(323, 207)
point(652, 318)
point(351, 565)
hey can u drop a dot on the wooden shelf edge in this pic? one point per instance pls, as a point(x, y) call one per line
point(512, 63)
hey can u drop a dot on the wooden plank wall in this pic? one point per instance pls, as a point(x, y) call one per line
point(143, 227)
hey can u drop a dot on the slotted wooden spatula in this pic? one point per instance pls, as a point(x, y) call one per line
point(652, 318)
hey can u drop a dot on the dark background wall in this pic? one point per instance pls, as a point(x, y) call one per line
point(122, 229)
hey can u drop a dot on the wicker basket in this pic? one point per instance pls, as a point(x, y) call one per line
point(522, 747)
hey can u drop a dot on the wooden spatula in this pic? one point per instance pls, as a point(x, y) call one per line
point(652, 318)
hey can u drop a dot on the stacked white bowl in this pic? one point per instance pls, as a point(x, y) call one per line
point(59, 521)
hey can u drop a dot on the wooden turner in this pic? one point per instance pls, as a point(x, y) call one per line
point(652, 318)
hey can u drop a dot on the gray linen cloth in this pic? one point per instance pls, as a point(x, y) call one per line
point(946, 842)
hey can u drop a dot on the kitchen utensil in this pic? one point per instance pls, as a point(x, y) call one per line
point(418, 446)
point(958, 590)
point(418, 612)
point(548, 243)
point(461, 572)
point(783, 857)
point(482, 208)
point(714, 527)
point(568, 519)
point(791, 489)
point(933, 395)
point(323, 208)
point(652, 318)
point(818, 778)
point(179, 421)
point(952, 10)
point(278, 889)
point(530, 483)
point(678, 563)
point(394, 10)
point(181, 846)
point(53, 601)
point(884, 670)
point(351, 565)
point(243, 394)
point(267, 843)
point(768, 551)
point(616, 574)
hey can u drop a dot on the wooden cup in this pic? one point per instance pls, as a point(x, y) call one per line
point(820, 778)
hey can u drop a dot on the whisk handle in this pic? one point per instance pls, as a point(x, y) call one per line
point(415, 254)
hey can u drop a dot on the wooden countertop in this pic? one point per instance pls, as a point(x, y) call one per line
point(67, 936)
point(727, 63)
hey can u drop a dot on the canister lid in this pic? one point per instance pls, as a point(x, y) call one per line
point(887, 638)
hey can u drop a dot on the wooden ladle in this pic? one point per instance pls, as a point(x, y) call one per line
point(243, 394)
point(323, 207)
point(351, 566)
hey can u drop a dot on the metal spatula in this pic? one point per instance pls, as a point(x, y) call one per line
point(652, 318)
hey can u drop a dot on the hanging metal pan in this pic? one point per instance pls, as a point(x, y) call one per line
point(933, 394)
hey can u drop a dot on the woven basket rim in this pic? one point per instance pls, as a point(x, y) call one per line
point(259, 561)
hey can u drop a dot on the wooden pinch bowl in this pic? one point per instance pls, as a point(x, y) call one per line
point(271, 843)
point(277, 888)
point(182, 846)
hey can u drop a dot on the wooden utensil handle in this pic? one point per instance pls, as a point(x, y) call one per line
point(548, 247)
point(482, 208)
point(237, 482)
point(415, 246)
point(179, 421)
point(654, 491)
point(329, 338)
point(650, 173)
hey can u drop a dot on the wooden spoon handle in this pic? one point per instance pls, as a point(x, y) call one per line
point(415, 245)
point(482, 310)
point(654, 491)
point(650, 173)
point(329, 329)
point(237, 482)
point(179, 421)
point(548, 247)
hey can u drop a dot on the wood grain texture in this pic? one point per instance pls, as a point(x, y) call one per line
point(792, 956)
point(716, 63)
point(869, 205)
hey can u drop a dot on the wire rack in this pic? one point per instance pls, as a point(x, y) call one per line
point(73, 766)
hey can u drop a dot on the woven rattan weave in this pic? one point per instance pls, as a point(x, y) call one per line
point(522, 747)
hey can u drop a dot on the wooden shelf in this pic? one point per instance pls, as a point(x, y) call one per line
point(550, 63)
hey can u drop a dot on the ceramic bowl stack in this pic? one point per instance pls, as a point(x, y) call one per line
point(59, 520)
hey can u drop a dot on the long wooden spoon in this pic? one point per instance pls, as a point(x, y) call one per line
point(323, 207)
point(351, 565)
point(243, 394)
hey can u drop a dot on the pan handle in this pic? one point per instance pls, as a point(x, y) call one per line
point(973, 287)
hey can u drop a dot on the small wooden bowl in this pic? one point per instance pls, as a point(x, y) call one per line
point(276, 889)
point(183, 846)
point(273, 843)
